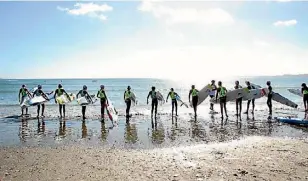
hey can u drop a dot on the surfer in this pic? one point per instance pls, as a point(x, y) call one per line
point(269, 97)
point(305, 95)
point(173, 95)
point(39, 92)
point(252, 101)
point(194, 94)
point(103, 97)
point(212, 93)
point(222, 93)
point(84, 93)
point(23, 94)
point(59, 92)
point(128, 101)
point(239, 100)
point(152, 93)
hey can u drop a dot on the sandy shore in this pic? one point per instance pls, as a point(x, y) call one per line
point(253, 158)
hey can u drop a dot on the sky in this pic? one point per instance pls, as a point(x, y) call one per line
point(178, 40)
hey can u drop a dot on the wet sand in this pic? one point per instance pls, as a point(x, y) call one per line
point(253, 158)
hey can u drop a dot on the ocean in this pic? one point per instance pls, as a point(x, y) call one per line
point(142, 132)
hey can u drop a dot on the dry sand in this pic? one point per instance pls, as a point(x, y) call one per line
point(253, 158)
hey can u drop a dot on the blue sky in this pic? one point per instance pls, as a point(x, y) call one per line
point(152, 39)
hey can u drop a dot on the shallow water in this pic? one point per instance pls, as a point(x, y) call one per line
point(142, 131)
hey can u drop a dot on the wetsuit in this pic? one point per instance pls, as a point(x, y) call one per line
point(222, 92)
point(195, 98)
point(103, 99)
point(83, 93)
point(39, 92)
point(269, 99)
point(154, 101)
point(172, 95)
point(212, 94)
point(305, 97)
point(238, 101)
point(59, 92)
point(252, 101)
point(128, 101)
point(24, 94)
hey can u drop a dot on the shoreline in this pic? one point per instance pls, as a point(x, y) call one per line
point(252, 158)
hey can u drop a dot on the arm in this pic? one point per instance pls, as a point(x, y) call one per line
point(124, 95)
point(302, 91)
point(89, 97)
point(148, 97)
point(189, 95)
point(77, 94)
point(106, 98)
point(216, 95)
point(29, 94)
point(19, 94)
point(167, 97)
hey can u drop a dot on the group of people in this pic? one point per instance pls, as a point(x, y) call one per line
point(216, 91)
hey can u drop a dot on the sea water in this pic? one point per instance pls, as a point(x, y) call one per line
point(142, 131)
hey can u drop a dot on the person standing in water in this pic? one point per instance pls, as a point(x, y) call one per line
point(305, 96)
point(194, 94)
point(152, 93)
point(84, 93)
point(103, 99)
point(252, 101)
point(238, 101)
point(212, 93)
point(23, 94)
point(39, 92)
point(269, 97)
point(222, 93)
point(59, 92)
point(128, 101)
point(173, 95)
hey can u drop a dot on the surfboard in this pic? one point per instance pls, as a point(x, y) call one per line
point(63, 99)
point(160, 97)
point(294, 121)
point(133, 98)
point(37, 100)
point(254, 93)
point(83, 101)
point(297, 92)
point(203, 94)
point(25, 102)
point(112, 113)
point(178, 98)
point(231, 95)
point(279, 98)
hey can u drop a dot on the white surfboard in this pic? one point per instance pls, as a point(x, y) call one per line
point(279, 98)
point(63, 99)
point(254, 93)
point(160, 97)
point(178, 98)
point(83, 101)
point(112, 113)
point(37, 100)
point(133, 98)
point(25, 102)
point(231, 95)
point(297, 92)
point(203, 94)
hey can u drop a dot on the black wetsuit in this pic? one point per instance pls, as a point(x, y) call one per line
point(39, 92)
point(269, 99)
point(83, 93)
point(223, 100)
point(61, 106)
point(252, 101)
point(128, 102)
point(194, 100)
point(154, 101)
point(174, 102)
point(238, 101)
point(214, 88)
point(103, 100)
point(24, 94)
point(305, 97)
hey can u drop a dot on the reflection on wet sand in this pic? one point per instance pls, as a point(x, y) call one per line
point(62, 129)
point(104, 132)
point(158, 132)
point(23, 130)
point(197, 130)
point(84, 129)
point(174, 128)
point(40, 127)
point(130, 133)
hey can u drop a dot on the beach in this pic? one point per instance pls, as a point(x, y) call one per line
point(253, 158)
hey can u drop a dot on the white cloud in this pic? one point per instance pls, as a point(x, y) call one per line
point(284, 0)
point(89, 9)
point(186, 15)
point(195, 52)
point(285, 23)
